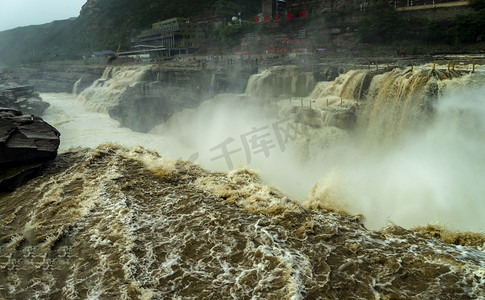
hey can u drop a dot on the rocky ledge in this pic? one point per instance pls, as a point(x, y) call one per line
point(52, 78)
point(22, 98)
point(27, 145)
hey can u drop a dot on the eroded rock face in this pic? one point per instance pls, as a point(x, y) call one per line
point(22, 98)
point(153, 106)
point(27, 145)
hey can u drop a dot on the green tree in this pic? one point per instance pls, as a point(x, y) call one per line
point(231, 34)
point(469, 28)
point(382, 26)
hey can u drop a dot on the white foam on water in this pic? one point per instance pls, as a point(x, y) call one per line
point(80, 126)
point(432, 175)
point(428, 174)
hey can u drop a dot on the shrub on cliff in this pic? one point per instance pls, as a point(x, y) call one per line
point(383, 26)
point(469, 28)
point(231, 34)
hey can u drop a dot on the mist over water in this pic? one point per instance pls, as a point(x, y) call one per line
point(430, 174)
point(434, 175)
point(81, 126)
point(118, 223)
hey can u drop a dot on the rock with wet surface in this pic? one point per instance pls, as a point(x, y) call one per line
point(27, 145)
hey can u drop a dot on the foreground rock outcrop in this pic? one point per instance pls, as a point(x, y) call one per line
point(27, 145)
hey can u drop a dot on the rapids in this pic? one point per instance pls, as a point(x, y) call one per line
point(415, 156)
point(111, 223)
point(272, 199)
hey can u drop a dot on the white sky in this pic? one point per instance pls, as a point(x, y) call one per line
point(15, 13)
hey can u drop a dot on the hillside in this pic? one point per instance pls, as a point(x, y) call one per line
point(339, 26)
point(31, 43)
point(103, 24)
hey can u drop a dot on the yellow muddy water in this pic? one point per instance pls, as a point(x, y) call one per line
point(112, 223)
point(304, 210)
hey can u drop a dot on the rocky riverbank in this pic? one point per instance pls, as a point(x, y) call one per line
point(22, 98)
point(54, 77)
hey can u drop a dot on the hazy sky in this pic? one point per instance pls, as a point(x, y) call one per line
point(15, 13)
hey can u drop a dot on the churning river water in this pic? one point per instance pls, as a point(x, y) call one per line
point(314, 212)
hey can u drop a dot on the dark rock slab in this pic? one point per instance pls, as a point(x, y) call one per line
point(27, 145)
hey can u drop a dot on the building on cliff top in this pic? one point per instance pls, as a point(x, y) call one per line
point(271, 7)
point(168, 37)
point(172, 33)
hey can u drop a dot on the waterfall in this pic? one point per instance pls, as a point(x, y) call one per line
point(75, 88)
point(387, 102)
point(105, 92)
point(281, 81)
point(400, 100)
point(106, 73)
point(415, 155)
point(213, 81)
point(350, 86)
point(388, 144)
